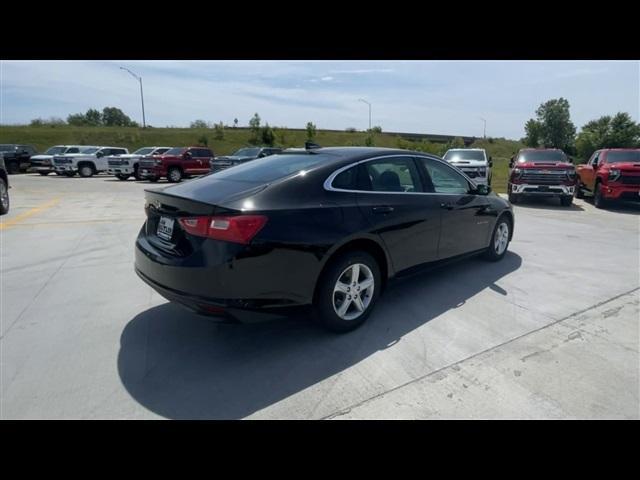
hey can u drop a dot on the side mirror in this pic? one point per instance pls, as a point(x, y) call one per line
point(482, 189)
point(186, 155)
point(511, 163)
point(491, 161)
point(99, 155)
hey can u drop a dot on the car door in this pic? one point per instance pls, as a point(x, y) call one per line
point(466, 218)
point(204, 159)
point(588, 171)
point(189, 162)
point(391, 197)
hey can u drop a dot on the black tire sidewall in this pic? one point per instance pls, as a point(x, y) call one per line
point(491, 254)
point(324, 298)
point(4, 210)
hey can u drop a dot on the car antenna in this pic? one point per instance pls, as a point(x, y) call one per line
point(310, 145)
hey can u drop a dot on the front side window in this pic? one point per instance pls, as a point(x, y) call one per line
point(444, 178)
point(392, 175)
point(72, 150)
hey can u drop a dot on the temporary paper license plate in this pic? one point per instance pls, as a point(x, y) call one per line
point(165, 228)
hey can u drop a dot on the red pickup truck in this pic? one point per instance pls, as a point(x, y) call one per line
point(541, 172)
point(610, 174)
point(176, 164)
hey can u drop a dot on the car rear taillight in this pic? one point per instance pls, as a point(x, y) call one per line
point(237, 229)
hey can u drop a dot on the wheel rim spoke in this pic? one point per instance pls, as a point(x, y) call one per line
point(344, 307)
point(350, 291)
point(358, 303)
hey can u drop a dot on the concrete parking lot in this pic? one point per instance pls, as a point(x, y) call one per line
point(552, 331)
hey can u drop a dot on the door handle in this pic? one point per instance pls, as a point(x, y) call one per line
point(384, 209)
point(448, 206)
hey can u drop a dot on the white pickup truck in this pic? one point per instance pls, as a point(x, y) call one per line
point(123, 166)
point(474, 162)
point(88, 162)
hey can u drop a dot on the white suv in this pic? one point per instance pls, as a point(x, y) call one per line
point(123, 166)
point(474, 162)
point(88, 162)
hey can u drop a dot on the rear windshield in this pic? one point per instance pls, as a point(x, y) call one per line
point(618, 157)
point(175, 151)
point(247, 152)
point(55, 150)
point(542, 156)
point(143, 151)
point(455, 155)
point(273, 167)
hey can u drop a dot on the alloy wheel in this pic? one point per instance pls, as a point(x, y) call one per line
point(501, 238)
point(353, 291)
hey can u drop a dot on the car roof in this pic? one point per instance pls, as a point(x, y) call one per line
point(540, 149)
point(619, 150)
point(461, 148)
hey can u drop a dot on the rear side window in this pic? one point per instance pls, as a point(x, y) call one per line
point(73, 150)
point(346, 180)
point(160, 151)
point(392, 175)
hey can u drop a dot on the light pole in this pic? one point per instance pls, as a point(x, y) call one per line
point(361, 100)
point(144, 124)
point(485, 127)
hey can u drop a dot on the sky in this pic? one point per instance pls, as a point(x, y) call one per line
point(439, 97)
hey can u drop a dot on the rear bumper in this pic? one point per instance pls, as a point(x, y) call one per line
point(542, 190)
point(621, 192)
point(122, 170)
point(41, 168)
point(224, 276)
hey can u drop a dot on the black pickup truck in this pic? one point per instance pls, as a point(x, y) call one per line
point(17, 157)
point(4, 187)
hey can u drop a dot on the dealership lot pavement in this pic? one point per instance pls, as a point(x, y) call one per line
point(552, 331)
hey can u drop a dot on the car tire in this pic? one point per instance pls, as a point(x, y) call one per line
point(13, 167)
point(70, 174)
point(500, 239)
point(330, 298)
point(579, 192)
point(122, 177)
point(174, 175)
point(4, 197)
point(514, 198)
point(86, 171)
point(44, 174)
point(136, 173)
point(153, 179)
point(598, 200)
point(566, 200)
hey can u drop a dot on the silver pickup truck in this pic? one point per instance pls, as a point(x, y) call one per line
point(474, 162)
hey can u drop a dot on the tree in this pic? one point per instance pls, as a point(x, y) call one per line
point(51, 121)
point(552, 127)
point(114, 117)
point(351, 129)
point(203, 140)
point(235, 123)
point(254, 124)
point(311, 131)
point(268, 137)
point(533, 129)
point(218, 129)
point(198, 124)
point(93, 117)
point(76, 119)
point(607, 132)
point(376, 129)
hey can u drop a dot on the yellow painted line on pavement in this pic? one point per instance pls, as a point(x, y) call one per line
point(24, 215)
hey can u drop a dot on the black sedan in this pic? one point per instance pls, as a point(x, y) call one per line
point(327, 227)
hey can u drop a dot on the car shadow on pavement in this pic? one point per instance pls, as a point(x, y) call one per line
point(185, 366)
point(543, 203)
